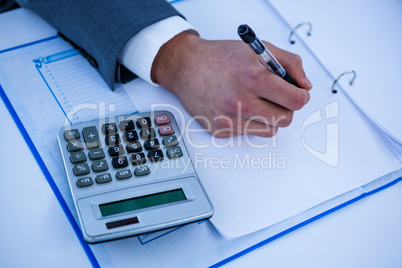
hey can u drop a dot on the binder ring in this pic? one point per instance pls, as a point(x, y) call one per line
point(339, 77)
point(291, 41)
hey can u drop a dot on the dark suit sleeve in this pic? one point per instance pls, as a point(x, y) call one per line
point(101, 28)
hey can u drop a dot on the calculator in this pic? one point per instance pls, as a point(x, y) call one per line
point(131, 175)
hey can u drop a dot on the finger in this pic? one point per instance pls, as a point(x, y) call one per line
point(273, 88)
point(292, 64)
point(247, 127)
point(225, 134)
point(258, 129)
point(227, 126)
point(266, 112)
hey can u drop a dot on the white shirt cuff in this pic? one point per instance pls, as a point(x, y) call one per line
point(140, 51)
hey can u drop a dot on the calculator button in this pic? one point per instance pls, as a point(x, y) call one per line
point(156, 155)
point(74, 146)
point(162, 119)
point(130, 136)
point(166, 130)
point(91, 137)
point(99, 165)
point(141, 171)
point(84, 182)
point(72, 134)
point(119, 162)
point(126, 125)
point(123, 174)
point(78, 157)
point(112, 139)
point(151, 144)
point(170, 141)
point(134, 147)
point(96, 154)
point(116, 150)
point(138, 159)
point(147, 133)
point(109, 128)
point(81, 169)
point(103, 178)
point(174, 152)
point(144, 122)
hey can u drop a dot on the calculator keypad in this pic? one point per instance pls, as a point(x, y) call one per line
point(129, 147)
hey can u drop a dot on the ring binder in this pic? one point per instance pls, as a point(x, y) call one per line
point(339, 77)
point(297, 27)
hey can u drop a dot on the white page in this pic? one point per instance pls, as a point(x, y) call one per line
point(251, 197)
point(357, 35)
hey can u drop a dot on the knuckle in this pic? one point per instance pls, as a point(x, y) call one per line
point(296, 59)
point(298, 100)
point(274, 131)
point(224, 123)
point(266, 134)
point(220, 134)
point(271, 132)
point(285, 120)
point(230, 104)
point(249, 78)
point(246, 108)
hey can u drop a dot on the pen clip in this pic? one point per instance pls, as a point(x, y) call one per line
point(291, 41)
point(339, 77)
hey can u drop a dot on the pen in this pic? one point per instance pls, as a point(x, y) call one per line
point(262, 52)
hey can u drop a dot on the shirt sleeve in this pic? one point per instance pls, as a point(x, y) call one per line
point(140, 51)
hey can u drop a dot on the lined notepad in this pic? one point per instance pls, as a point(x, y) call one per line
point(78, 89)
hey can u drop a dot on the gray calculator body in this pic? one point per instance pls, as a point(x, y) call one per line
point(131, 175)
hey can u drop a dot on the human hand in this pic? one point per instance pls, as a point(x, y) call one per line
point(225, 87)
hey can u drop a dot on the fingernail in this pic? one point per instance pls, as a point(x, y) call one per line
point(308, 97)
point(308, 83)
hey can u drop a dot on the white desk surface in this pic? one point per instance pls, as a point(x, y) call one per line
point(35, 232)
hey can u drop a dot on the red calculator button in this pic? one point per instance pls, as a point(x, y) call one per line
point(166, 130)
point(162, 119)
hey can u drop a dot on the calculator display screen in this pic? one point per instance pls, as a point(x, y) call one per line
point(141, 202)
